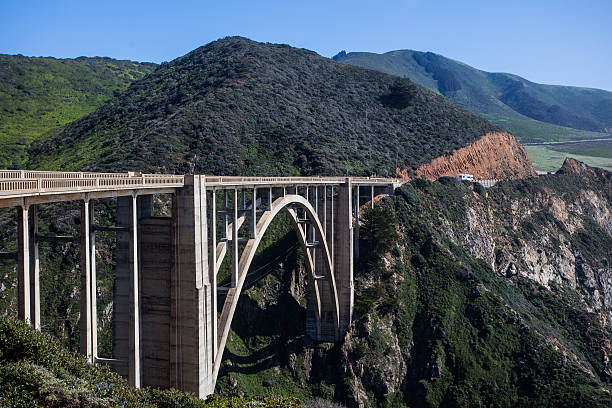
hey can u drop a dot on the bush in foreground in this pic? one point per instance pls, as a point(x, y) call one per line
point(36, 372)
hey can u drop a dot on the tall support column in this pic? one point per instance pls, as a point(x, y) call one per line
point(134, 339)
point(85, 322)
point(212, 267)
point(331, 236)
point(23, 264)
point(225, 216)
point(343, 255)
point(34, 271)
point(235, 243)
point(372, 196)
point(94, 285)
point(191, 314)
point(254, 214)
point(325, 210)
point(356, 228)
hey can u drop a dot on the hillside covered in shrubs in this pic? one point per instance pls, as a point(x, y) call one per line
point(36, 372)
point(40, 94)
point(240, 107)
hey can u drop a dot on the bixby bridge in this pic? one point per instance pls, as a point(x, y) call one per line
point(167, 329)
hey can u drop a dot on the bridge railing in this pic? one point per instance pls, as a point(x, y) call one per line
point(236, 180)
point(11, 186)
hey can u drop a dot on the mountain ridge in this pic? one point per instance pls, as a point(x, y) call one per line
point(501, 97)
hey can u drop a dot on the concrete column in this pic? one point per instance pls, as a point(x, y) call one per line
point(225, 215)
point(23, 264)
point(85, 320)
point(134, 363)
point(372, 196)
point(343, 254)
point(94, 285)
point(356, 228)
point(191, 311)
point(212, 267)
point(235, 243)
point(254, 214)
point(34, 271)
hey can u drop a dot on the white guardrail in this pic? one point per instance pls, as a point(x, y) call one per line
point(214, 181)
point(15, 182)
point(27, 182)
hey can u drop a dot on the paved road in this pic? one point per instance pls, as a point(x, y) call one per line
point(605, 139)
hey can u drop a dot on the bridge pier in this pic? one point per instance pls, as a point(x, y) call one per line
point(343, 254)
point(191, 310)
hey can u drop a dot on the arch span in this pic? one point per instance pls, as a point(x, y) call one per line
point(326, 307)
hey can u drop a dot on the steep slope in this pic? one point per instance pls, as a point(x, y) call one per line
point(465, 297)
point(40, 94)
point(236, 106)
point(525, 108)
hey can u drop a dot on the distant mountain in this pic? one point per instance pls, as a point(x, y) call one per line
point(240, 107)
point(40, 94)
point(525, 108)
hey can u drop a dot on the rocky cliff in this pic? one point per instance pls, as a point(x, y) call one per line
point(496, 155)
point(497, 297)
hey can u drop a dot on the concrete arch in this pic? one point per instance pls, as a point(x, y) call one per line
point(288, 203)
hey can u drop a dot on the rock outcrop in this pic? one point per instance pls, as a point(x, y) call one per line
point(496, 155)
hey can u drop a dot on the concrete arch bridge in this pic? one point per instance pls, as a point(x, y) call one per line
point(168, 331)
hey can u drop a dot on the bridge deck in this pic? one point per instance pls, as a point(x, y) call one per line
point(52, 186)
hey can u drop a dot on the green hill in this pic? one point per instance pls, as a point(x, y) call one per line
point(236, 106)
point(40, 94)
point(533, 112)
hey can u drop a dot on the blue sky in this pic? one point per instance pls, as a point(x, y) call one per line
point(556, 42)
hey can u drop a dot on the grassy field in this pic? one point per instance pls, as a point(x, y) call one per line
point(534, 131)
point(596, 149)
point(551, 157)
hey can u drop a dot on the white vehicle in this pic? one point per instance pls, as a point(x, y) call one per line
point(465, 177)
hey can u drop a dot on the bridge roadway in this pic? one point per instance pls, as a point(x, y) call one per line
point(167, 329)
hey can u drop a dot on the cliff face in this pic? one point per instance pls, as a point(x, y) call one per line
point(509, 286)
point(496, 155)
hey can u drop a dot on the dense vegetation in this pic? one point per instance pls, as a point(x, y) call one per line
point(236, 106)
point(36, 372)
point(525, 108)
point(40, 94)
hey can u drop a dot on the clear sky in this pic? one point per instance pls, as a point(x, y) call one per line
point(557, 42)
